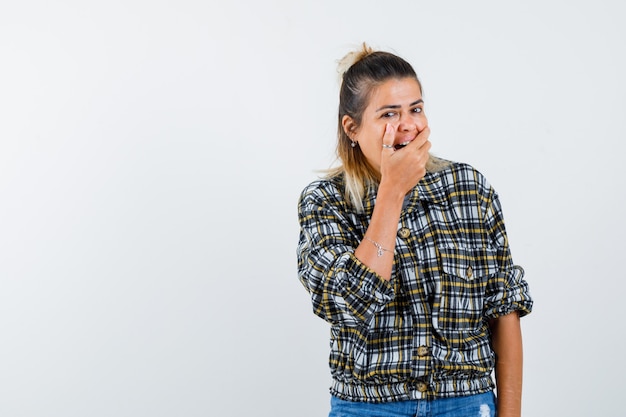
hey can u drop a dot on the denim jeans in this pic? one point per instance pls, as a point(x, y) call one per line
point(480, 405)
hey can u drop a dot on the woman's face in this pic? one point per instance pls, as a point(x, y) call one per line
point(396, 101)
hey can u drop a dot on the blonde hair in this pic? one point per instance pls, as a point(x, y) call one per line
point(361, 71)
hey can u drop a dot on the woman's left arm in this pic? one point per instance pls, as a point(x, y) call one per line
point(506, 336)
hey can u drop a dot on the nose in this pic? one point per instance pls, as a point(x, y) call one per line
point(410, 122)
point(407, 123)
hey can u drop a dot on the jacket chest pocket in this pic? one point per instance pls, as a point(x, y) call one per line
point(468, 263)
point(465, 272)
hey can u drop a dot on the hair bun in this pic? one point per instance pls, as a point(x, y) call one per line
point(352, 58)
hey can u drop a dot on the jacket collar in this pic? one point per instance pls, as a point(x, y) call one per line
point(430, 189)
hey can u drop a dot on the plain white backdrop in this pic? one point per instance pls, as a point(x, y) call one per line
point(152, 154)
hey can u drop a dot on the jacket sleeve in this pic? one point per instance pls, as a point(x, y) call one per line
point(343, 290)
point(507, 291)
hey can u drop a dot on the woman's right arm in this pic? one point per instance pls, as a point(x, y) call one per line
point(348, 277)
point(343, 289)
point(400, 171)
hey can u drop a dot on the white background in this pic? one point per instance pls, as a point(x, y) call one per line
point(152, 154)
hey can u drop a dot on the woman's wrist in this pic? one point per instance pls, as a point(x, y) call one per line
point(389, 192)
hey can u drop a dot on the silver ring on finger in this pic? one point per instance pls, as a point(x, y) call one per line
point(385, 146)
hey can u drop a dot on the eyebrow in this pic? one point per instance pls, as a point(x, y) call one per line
point(397, 106)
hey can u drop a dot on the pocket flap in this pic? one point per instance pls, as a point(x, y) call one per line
point(469, 262)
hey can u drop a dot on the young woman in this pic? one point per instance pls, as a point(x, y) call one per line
point(406, 256)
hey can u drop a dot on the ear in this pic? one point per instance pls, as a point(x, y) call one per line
point(349, 126)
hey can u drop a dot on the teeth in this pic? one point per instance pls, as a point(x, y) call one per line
point(403, 144)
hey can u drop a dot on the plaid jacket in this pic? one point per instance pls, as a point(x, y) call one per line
point(424, 333)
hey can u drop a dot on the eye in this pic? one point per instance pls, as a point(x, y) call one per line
point(417, 110)
point(388, 114)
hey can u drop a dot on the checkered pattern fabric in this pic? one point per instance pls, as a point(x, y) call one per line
point(424, 333)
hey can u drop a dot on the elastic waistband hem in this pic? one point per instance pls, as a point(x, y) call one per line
point(403, 391)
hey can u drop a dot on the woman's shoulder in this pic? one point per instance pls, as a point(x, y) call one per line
point(462, 175)
point(328, 188)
